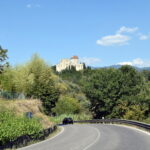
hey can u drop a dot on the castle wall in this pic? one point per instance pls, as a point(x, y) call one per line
point(79, 67)
point(68, 63)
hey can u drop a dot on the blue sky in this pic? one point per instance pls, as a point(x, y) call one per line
point(100, 32)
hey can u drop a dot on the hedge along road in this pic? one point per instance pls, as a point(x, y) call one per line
point(95, 137)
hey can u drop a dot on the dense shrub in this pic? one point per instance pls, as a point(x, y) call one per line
point(67, 105)
point(12, 126)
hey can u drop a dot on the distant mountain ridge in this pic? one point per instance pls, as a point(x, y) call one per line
point(118, 66)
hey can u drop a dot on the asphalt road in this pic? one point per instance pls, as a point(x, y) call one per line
point(95, 137)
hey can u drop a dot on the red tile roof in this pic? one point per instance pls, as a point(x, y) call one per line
point(74, 57)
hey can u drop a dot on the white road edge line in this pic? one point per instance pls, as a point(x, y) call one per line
point(62, 130)
point(98, 136)
point(134, 128)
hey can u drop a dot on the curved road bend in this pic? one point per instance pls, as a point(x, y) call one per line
point(95, 137)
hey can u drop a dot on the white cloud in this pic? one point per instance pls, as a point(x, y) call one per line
point(90, 60)
point(124, 29)
point(119, 38)
point(144, 37)
point(33, 5)
point(28, 5)
point(138, 62)
point(116, 39)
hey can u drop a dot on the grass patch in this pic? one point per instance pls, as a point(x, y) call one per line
point(77, 117)
point(147, 120)
point(20, 107)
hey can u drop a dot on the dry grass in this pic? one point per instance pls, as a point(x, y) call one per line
point(20, 107)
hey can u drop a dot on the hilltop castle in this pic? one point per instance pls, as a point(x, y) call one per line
point(68, 63)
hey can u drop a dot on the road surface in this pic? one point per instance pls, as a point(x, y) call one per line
point(95, 137)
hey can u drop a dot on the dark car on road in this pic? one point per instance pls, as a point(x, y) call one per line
point(67, 120)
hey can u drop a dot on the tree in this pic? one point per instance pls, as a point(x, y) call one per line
point(3, 58)
point(43, 85)
point(146, 74)
point(7, 82)
point(35, 79)
point(101, 87)
point(131, 81)
point(107, 87)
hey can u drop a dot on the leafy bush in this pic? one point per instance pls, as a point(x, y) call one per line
point(67, 105)
point(12, 127)
point(135, 112)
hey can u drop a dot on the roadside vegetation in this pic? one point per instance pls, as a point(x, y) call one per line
point(14, 123)
point(58, 119)
point(51, 96)
point(114, 93)
point(19, 108)
point(12, 126)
